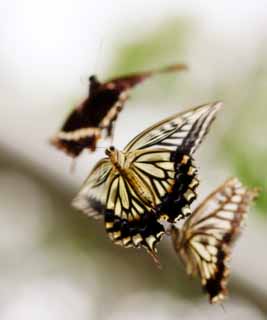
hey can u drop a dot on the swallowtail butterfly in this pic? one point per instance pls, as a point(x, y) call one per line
point(204, 242)
point(153, 179)
point(94, 117)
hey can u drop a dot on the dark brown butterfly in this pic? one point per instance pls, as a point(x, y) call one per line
point(152, 179)
point(94, 117)
point(204, 242)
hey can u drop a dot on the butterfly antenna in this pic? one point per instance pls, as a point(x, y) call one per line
point(101, 148)
point(96, 62)
point(99, 50)
point(155, 259)
point(112, 133)
point(84, 79)
point(73, 165)
point(111, 139)
point(223, 307)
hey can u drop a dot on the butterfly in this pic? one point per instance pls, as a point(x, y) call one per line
point(153, 179)
point(96, 115)
point(204, 242)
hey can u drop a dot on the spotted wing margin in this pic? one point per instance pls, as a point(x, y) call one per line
point(206, 237)
point(91, 199)
point(150, 171)
point(183, 131)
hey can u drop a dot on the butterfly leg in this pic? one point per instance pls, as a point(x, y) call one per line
point(155, 257)
point(110, 132)
point(73, 165)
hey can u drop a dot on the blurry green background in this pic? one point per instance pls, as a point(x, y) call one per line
point(55, 262)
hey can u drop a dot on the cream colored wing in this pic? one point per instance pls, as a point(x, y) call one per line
point(183, 131)
point(204, 242)
point(91, 199)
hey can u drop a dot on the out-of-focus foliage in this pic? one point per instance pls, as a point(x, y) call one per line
point(250, 167)
point(244, 144)
point(165, 45)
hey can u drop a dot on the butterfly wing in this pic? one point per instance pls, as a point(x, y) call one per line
point(183, 131)
point(150, 192)
point(131, 218)
point(204, 242)
point(128, 220)
point(94, 118)
point(150, 177)
point(131, 80)
point(92, 197)
point(85, 124)
point(116, 91)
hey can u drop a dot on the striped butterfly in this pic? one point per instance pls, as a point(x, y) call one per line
point(204, 242)
point(152, 179)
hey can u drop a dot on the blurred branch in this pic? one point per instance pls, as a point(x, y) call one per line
point(165, 44)
point(89, 236)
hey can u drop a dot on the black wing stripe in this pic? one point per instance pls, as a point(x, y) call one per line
point(198, 132)
point(171, 130)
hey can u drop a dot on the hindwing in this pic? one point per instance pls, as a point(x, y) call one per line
point(92, 196)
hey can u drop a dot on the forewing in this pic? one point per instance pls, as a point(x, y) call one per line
point(205, 240)
point(91, 199)
point(131, 80)
point(183, 131)
point(156, 169)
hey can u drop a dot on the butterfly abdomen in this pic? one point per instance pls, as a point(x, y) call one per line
point(175, 205)
point(140, 187)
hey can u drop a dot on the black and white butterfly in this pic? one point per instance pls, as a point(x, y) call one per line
point(204, 242)
point(94, 118)
point(152, 179)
